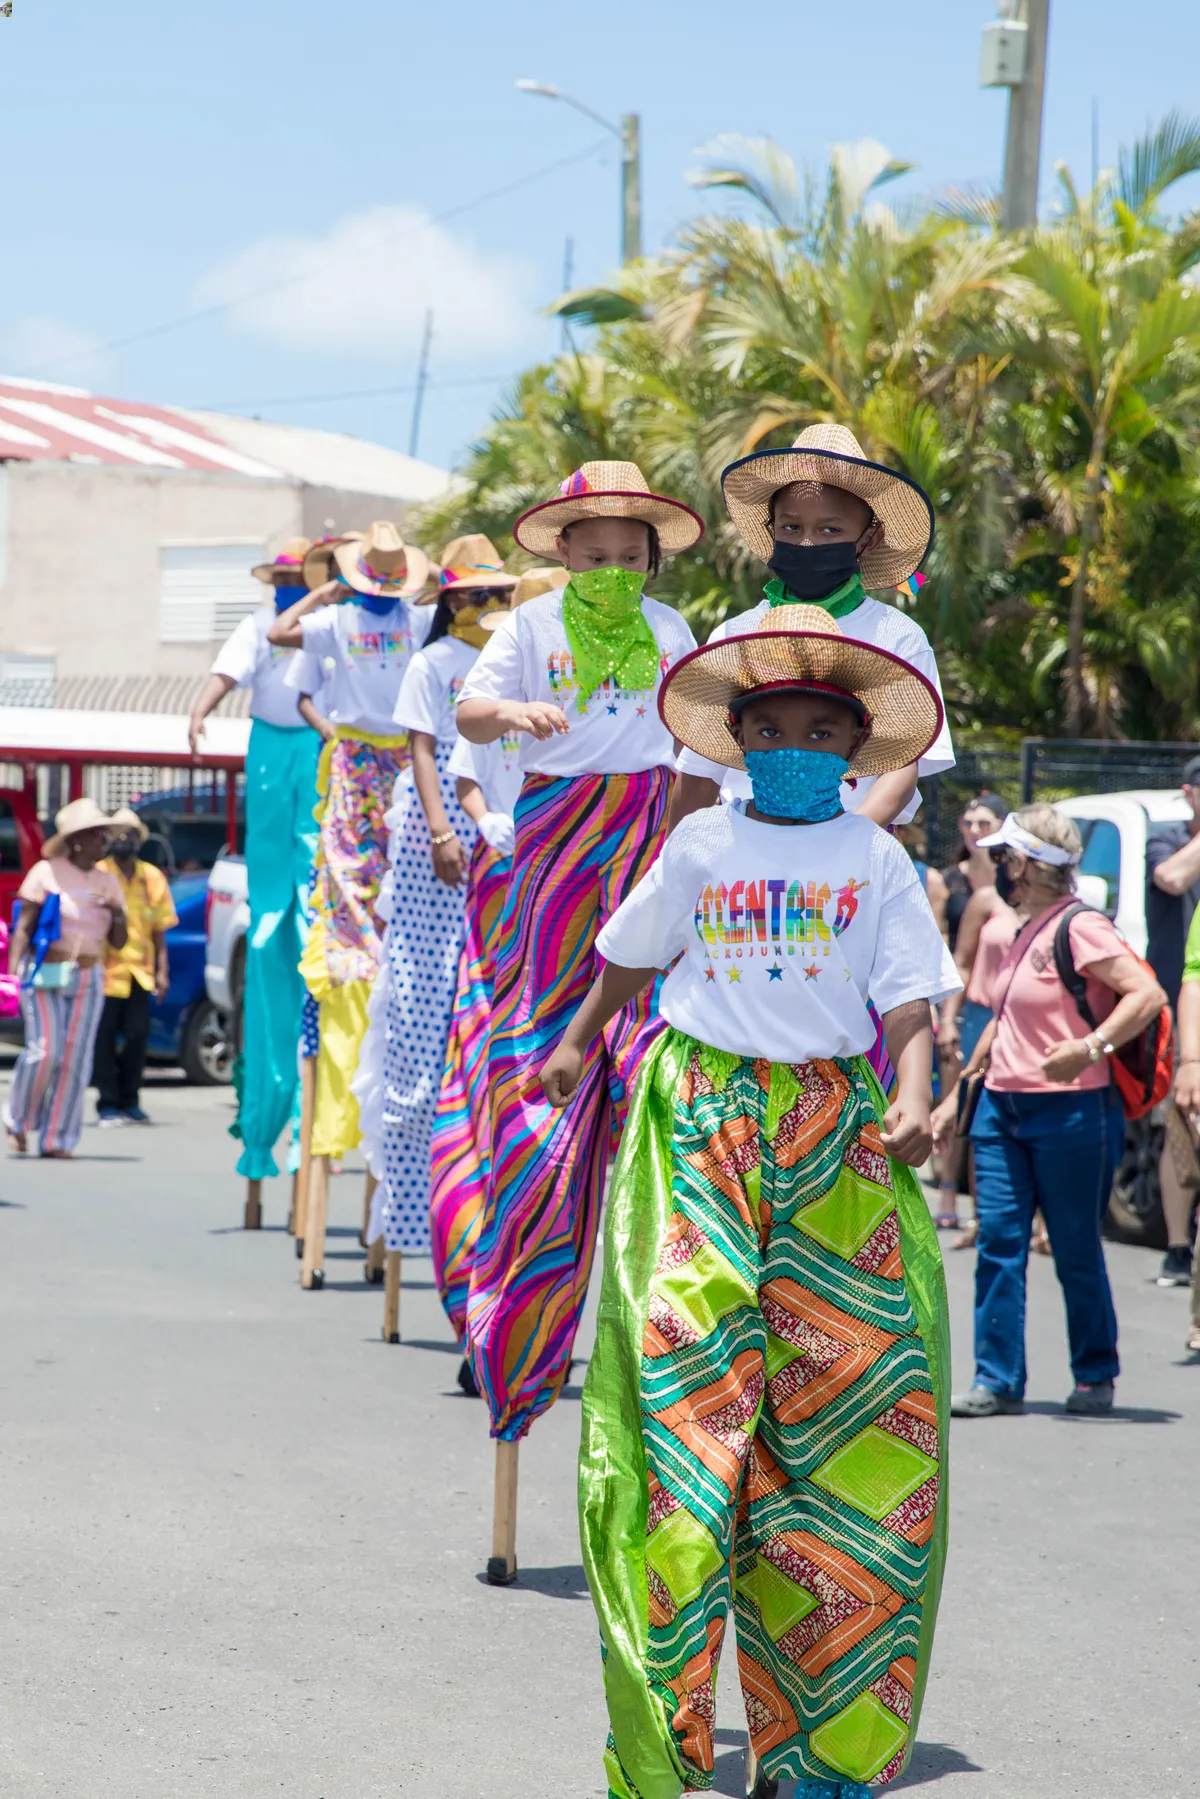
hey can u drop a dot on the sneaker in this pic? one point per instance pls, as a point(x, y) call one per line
point(982, 1402)
point(1093, 1401)
point(1176, 1270)
point(135, 1115)
point(109, 1118)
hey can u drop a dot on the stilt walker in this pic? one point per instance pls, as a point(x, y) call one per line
point(488, 782)
point(432, 841)
point(281, 841)
point(766, 1408)
point(360, 629)
point(574, 674)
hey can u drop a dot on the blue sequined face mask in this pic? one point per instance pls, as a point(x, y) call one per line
point(799, 784)
point(286, 596)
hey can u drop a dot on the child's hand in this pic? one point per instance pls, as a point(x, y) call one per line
point(561, 1073)
point(537, 717)
point(907, 1134)
point(945, 1116)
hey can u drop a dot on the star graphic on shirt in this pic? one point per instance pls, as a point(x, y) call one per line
point(735, 974)
point(710, 974)
point(811, 971)
point(641, 712)
point(775, 974)
point(612, 711)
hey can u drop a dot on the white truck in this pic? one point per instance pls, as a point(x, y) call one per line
point(228, 920)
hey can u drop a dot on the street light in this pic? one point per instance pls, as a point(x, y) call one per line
point(628, 132)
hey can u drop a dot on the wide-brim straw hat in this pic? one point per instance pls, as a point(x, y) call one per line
point(533, 582)
point(318, 564)
point(608, 490)
point(833, 456)
point(287, 566)
point(801, 647)
point(381, 563)
point(126, 819)
point(80, 815)
point(473, 561)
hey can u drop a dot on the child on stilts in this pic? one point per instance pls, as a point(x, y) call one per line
point(765, 1408)
point(576, 675)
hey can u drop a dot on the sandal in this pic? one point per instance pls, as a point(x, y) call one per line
point(968, 1237)
point(1193, 1340)
point(16, 1142)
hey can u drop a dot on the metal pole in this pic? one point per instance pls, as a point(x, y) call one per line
point(1023, 148)
point(631, 187)
point(422, 376)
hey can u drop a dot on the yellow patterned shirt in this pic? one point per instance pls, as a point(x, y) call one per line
point(148, 908)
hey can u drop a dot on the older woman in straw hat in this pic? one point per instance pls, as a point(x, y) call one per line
point(575, 675)
point(829, 523)
point(768, 1389)
point(432, 840)
point(359, 630)
point(488, 783)
point(70, 911)
point(281, 842)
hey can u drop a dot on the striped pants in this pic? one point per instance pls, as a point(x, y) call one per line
point(55, 1066)
point(582, 844)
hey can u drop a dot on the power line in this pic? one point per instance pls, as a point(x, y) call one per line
point(355, 393)
point(273, 287)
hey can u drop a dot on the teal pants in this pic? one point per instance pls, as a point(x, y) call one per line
point(281, 843)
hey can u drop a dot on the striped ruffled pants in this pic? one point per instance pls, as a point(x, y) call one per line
point(582, 844)
point(55, 1066)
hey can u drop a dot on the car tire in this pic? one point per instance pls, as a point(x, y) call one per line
point(1135, 1213)
point(206, 1052)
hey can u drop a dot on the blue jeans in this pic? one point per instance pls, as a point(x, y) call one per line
point(1056, 1151)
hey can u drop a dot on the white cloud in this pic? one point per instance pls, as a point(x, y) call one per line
point(40, 344)
point(366, 284)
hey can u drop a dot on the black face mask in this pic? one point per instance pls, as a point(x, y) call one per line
point(812, 571)
point(1004, 883)
point(125, 852)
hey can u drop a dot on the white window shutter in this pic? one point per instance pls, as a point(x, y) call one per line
point(207, 589)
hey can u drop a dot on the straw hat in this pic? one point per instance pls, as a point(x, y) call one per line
point(80, 815)
point(126, 819)
point(833, 456)
point(285, 570)
point(608, 490)
point(380, 562)
point(318, 564)
point(473, 561)
point(533, 582)
point(798, 647)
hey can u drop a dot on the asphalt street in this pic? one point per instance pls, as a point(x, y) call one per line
point(242, 1539)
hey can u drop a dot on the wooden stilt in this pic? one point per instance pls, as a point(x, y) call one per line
point(312, 1268)
point(502, 1563)
point(368, 1195)
point(751, 1768)
point(291, 1219)
point(308, 1093)
point(391, 1295)
point(373, 1267)
point(253, 1217)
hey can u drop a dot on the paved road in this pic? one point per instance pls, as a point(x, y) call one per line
point(241, 1538)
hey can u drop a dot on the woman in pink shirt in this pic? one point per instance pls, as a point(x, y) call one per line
point(62, 982)
point(1050, 1127)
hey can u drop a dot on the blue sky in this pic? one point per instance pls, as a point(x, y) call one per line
point(164, 157)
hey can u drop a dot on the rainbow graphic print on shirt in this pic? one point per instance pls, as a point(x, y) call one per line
point(379, 646)
point(774, 918)
point(560, 672)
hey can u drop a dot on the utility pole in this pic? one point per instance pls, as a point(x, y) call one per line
point(1023, 148)
point(414, 434)
point(631, 187)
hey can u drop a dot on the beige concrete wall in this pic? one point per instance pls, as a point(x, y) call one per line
point(80, 562)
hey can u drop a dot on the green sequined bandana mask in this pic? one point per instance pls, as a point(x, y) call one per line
point(608, 635)
point(844, 599)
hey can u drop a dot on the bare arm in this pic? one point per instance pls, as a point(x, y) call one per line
point(286, 631)
point(908, 1033)
point(1141, 999)
point(118, 929)
point(470, 798)
point(314, 719)
point(1177, 873)
point(690, 793)
point(1187, 1076)
point(889, 795)
point(937, 893)
point(613, 988)
point(483, 721)
point(211, 694)
point(449, 858)
point(162, 966)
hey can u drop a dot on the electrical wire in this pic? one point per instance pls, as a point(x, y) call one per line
point(359, 393)
point(274, 287)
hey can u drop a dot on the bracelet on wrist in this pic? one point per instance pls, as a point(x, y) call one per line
point(443, 837)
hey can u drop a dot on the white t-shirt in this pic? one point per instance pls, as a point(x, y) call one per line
point(612, 732)
point(872, 622)
point(432, 683)
point(364, 657)
point(782, 932)
point(250, 661)
point(496, 766)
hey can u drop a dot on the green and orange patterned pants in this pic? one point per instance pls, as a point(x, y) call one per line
point(764, 1417)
